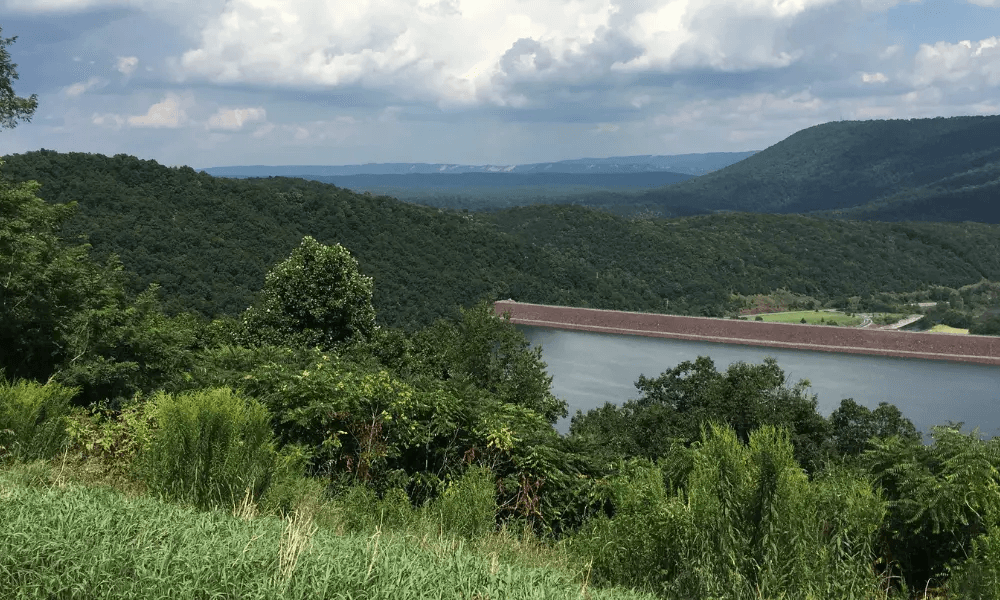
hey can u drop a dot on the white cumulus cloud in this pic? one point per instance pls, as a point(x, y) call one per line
point(233, 119)
point(967, 64)
point(127, 64)
point(874, 77)
point(108, 120)
point(167, 113)
point(470, 51)
point(79, 88)
point(263, 130)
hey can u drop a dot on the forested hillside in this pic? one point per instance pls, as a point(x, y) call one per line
point(694, 258)
point(972, 195)
point(839, 165)
point(208, 241)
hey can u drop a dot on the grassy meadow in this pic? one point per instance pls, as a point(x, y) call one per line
point(826, 317)
point(812, 317)
point(63, 539)
point(942, 328)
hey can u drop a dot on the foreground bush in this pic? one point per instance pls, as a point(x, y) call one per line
point(209, 447)
point(978, 576)
point(745, 522)
point(33, 419)
point(942, 497)
point(75, 542)
point(467, 508)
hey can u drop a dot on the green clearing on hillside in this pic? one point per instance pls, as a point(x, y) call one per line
point(812, 317)
point(71, 541)
point(940, 328)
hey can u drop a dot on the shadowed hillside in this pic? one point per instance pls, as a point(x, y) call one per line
point(919, 163)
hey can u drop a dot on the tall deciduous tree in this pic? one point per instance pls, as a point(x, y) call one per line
point(12, 107)
point(317, 298)
point(853, 425)
point(673, 407)
point(67, 317)
point(44, 284)
point(489, 352)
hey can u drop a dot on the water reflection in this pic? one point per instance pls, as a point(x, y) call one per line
point(589, 369)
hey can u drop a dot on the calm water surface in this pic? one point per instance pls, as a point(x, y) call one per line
point(589, 369)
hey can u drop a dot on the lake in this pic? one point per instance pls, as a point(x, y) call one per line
point(589, 369)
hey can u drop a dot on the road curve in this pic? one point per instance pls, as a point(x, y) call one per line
point(978, 349)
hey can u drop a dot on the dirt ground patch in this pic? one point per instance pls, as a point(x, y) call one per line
point(903, 344)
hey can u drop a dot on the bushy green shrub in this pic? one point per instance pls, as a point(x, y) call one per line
point(747, 523)
point(989, 326)
point(468, 506)
point(360, 510)
point(208, 448)
point(942, 496)
point(33, 419)
point(646, 543)
point(291, 490)
point(979, 575)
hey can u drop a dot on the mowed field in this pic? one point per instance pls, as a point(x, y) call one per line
point(812, 317)
point(947, 329)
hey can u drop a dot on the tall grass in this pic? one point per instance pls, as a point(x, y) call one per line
point(208, 447)
point(75, 542)
point(746, 524)
point(33, 419)
point(467, 508)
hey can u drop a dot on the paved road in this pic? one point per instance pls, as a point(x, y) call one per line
point(867, 323)
point(904, 322)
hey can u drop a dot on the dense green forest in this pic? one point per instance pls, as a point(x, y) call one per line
point(953, 198)
point(207, 242)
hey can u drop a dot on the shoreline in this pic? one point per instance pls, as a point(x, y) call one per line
point(984, 350)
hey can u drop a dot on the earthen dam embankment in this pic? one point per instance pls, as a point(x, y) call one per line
point(901, 344)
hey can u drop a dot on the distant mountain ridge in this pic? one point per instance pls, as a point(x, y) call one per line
point(689, 164)
point(945, 169)
point(647, 179)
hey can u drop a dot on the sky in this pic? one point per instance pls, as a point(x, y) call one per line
point(237, 82)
